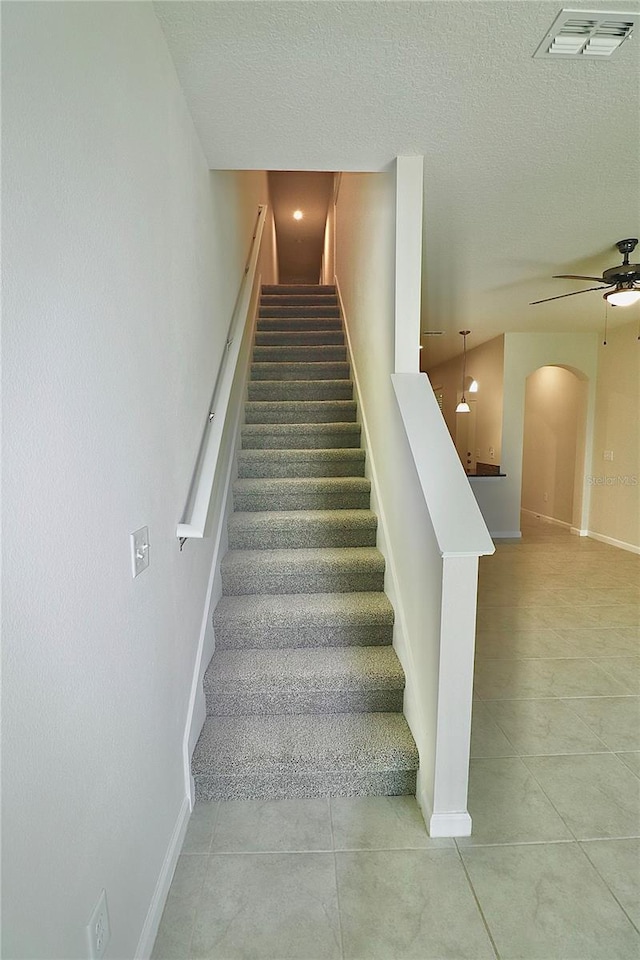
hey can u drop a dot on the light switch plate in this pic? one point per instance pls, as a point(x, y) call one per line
point(139, 550)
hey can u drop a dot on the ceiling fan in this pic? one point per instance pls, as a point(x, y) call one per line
point(622, 282)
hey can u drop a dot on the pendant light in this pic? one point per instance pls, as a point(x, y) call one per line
point(463, 406)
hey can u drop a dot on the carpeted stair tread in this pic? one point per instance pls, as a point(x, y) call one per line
point(297, 310)
point(309, 370)
point(301, 493)
point(301, 324)
point(335, 742)
point(291, 529)
point(333, 462)
point(321, 680)
point(300, 390)
point(298, 338)
point(300, 411)
point(286, 289)
point(324, 570)
point(308, 354)
point(292, 299)
point(281, 620)
point(299, 436)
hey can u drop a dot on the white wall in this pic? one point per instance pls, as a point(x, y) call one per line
point(554, 411)
point(122, 259)
point(365, 268)
point(615, 484)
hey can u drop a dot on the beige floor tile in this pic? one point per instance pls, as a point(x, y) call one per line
point(626, 671)
point(536, 679)
point(487, 739)
point(597, 796)
point(200, 828)
point(536, 643)
point(416, 904)
point(602, 641)
point(380, 823)
point(544, 727)
point(545, 902)
point(259, 826)
point(618, 863)
point(631, 760)
point(267, 907)
point(507, 805)
point(615, 720)
point(178, 917)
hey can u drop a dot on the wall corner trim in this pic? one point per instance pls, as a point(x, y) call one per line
point(154, 913)
point(450, 824)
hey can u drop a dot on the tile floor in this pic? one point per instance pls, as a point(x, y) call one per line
point(552, 870)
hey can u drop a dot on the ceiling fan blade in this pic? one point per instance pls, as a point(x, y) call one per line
point(574, 294)
point(572, 276)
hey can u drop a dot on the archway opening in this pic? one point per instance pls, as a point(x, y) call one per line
point(554, 444)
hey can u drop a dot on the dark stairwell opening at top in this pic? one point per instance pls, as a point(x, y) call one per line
point(300, 239)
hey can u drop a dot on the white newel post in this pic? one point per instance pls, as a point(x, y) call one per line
point(455, 693)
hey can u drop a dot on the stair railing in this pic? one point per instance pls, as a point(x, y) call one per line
point(194, 516)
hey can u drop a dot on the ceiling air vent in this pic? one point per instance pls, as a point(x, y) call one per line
point(586, 33)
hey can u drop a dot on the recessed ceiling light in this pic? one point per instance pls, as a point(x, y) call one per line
point(297, 214)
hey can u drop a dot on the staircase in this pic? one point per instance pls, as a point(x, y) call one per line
point(304, 691)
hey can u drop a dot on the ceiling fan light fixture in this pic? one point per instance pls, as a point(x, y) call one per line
point(622, 298)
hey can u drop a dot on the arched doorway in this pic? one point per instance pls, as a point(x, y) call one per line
point(553, 452)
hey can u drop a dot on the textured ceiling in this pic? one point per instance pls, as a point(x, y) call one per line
point(531, 166)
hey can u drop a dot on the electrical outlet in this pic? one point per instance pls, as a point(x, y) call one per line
point(139, 550)
point(608, 454)
point(98, 929)
point(492, 453)
point(545, 497)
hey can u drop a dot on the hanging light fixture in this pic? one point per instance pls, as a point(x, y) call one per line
point(473, 386)
point(463, 406)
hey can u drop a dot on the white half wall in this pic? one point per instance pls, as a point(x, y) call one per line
point(122, 260)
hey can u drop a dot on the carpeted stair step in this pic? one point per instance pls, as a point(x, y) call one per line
point(310, 370)
point(298, 299)
point(339, 754)
point(311, 354)
point(322, 680)
point(338, 462)
point(293, 289)
point(298, 338)
point(298, 323)
point(300, 411)
point(309, 310)
point(302, 493)
point(298, 436)
point(303, 620)
point(327, 570)
point(293, 529)
point(300, 390)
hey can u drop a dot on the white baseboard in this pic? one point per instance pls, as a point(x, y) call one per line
point(577, 532)
point(621, 544)
point(543, 517)
point(158, 900)
point(505, 534)
point(450, 824)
